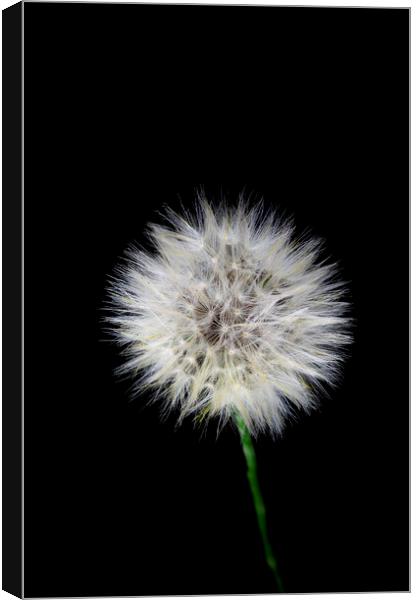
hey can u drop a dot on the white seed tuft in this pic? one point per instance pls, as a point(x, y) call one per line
point(231, 313)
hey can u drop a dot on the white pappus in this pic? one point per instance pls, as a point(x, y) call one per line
point(231, 312)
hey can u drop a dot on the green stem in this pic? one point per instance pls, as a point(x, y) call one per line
point(252, 477)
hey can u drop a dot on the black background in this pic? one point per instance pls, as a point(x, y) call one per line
point(124, 105)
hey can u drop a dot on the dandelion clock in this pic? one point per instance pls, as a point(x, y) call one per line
point(232, 318)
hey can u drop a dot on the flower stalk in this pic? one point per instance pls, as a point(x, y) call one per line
point(250, 456)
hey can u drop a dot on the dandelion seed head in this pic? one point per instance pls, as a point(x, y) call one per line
point(231, 312)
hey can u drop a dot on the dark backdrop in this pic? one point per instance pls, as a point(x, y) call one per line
point(124, 105)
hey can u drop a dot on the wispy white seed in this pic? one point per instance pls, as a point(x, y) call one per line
point(257, 328)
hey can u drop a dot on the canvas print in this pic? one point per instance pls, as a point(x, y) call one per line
point(209, 391)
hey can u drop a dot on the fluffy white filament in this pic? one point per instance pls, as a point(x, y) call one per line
point(230, 313)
